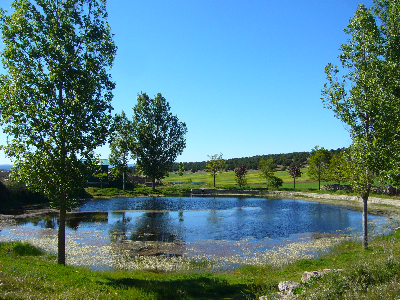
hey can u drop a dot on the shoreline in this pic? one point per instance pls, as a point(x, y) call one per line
point(377, 206)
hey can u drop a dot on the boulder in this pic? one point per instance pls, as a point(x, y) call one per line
point(308, 275)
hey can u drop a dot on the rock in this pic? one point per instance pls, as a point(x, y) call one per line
point(288, 287)
point(308, 275)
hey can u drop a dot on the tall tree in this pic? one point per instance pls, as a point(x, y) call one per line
point(159, 136)
point(55, 99)
point(295, 172)
point(121, 145)
point(215, 165)
point(365, 97)
point(267, 169)
point(319, 164)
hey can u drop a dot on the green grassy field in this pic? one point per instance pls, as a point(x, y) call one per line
point(228, 178)
point(253, 179)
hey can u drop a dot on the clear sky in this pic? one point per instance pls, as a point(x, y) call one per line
point(245, 76)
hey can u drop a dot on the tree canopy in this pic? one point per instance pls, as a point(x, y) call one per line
point(267, 169)
point(55, 98)
point(240, 176)
point(216, 164)
point(159, 137)
point(294, 172)
point(319, 164)
point(366, 97)
point(121, 145)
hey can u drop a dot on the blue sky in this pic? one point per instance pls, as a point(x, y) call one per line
point(245, 76)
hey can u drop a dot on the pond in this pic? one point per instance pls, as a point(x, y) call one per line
point(115, 233)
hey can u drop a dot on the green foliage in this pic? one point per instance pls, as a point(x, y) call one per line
point(216, 164)
point(275, 182)
point(55, 98)
point(101, 176)
point(366, 97)
point(159, 137)
point(181, 169)
point(267, 169)
point(319, 164)
point(121, 145)
point(338, 169)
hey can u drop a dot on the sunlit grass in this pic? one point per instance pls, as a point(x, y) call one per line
point(228, 178)
point(28, 273)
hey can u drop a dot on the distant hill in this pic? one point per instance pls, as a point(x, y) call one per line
point(5, 167)
point(283, 161)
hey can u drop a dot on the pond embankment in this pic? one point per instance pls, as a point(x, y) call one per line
point(380, 206)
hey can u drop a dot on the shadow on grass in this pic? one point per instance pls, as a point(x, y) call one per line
point(200, 287)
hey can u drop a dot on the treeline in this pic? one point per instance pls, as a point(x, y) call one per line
point(283, 160)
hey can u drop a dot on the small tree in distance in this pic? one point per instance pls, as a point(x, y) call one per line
point(338, 168)
point(215, 165)
point(319, 164)
point(121, 145)
point(294, 172)
point(240, 176)
point(181, 169)
point(267, 169)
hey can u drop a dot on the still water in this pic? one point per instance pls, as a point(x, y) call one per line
point(196, 225)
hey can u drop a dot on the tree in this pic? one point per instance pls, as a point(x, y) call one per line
point(240, 176)
point(101, 176)
point(267, 169)
point(366, 97)
point(55, 99)
point(121, 145)
point(338, 168)
point(319, 164)
point(215, 165)
point(295, 172)
point(159, 137)
point(181, 169)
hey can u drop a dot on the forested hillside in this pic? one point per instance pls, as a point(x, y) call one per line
point(283, 160)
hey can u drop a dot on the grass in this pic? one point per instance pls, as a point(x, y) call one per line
point(228, 178)
point(28, 273)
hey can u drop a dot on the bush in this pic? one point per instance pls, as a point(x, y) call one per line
point(275, 182)
point(17, 196)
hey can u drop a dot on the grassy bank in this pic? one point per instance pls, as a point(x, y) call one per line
point(28, 273)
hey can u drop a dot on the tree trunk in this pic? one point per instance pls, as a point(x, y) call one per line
point(61, 235)
point(319, 182)
point(214, 179)
point(123, 181)
point(365, 223)
point(294, 183)
point(153, 183)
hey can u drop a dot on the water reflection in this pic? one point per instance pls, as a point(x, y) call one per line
point(155, 226)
